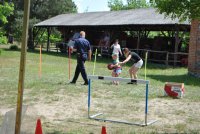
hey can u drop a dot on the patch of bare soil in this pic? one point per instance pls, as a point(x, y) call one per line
point(173, 115)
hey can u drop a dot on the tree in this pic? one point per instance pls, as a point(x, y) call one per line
point(131, 4)
point(40, 10)
point(115, 5)
point(6, 9)
point(182, 9)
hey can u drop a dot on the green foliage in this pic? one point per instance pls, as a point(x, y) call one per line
point(182, 9)
point(115, 5)
point(44, 9)
point(39, 11)
point(3, 39)
point(131, 4)
point(54, 37)
point(18, 26)
point(6, 10)
point(13, 47)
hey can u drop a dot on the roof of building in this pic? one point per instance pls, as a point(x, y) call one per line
point(114, 19)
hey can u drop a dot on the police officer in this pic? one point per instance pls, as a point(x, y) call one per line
point(83, 49)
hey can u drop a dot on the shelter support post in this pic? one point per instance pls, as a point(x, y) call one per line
point(48, 38)
point(138, 41)
point(176, 47)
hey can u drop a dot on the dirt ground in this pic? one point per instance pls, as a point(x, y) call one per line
point(67, 113)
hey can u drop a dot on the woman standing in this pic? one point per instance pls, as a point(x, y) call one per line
point(137, 62)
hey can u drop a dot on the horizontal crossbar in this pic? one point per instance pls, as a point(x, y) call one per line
point(124, 122)
point(108, 78)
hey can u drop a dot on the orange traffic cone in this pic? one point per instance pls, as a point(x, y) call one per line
point(38, 129)
point(103, 130)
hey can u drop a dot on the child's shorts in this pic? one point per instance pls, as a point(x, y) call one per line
point(117, 70)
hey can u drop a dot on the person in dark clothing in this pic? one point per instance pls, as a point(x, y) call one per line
point(137, 62)
point(83, 49)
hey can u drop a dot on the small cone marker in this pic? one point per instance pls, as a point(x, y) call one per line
point(38, 129)
point(103, 131)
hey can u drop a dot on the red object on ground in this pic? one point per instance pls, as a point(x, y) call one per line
point(110, 66)
point(103, 130)
point(175, 90)
point(38, 129)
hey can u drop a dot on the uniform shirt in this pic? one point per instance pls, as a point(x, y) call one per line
point(135, 57)
point(82, 45)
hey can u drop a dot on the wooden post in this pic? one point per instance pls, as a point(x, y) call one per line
point(167, 59)
point(33, 33)
point(22, 66)
point(48, 40)
point(145, 65)
point(69, 62)
point(176, 47)
point(40, 63)
point(138, 41)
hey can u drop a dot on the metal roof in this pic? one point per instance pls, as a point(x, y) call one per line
point(144, 16)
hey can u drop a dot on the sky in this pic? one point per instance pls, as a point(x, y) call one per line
point(92, 5)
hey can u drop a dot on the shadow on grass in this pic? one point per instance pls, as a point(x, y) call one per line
point(186, 79)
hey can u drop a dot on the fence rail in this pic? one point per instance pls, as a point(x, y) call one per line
point(153, 55)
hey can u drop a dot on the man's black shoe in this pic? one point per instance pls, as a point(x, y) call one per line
point(85, 83)
point(132, 83)
point(72, 82)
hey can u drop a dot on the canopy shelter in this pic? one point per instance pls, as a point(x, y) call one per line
point(136, 19)
point(140, 20)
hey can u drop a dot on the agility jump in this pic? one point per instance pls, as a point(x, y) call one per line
point(107, 78)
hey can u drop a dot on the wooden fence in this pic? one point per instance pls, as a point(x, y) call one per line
point(163, 57)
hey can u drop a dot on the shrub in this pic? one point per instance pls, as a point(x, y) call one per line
point(3, 40)
point(13, 47)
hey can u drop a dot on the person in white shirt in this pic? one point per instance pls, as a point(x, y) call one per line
point(116, 49)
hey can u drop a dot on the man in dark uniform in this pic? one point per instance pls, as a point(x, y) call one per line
point(83, 49)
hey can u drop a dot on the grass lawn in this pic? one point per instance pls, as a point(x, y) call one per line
point(62, 107)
